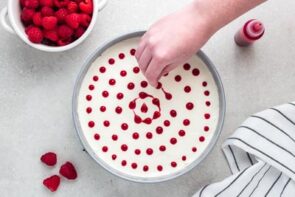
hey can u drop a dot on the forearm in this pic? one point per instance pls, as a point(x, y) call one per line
point(218, 13)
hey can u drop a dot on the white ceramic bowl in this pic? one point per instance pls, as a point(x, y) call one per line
point(11, 14)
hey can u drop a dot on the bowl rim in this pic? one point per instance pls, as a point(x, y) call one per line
point(20, 33)
point(204, 154)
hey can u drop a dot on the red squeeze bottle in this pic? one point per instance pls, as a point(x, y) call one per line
point(251, 31)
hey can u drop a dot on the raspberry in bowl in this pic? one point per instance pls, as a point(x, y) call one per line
point(51, 25)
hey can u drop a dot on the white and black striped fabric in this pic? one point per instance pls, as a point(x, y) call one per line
point(261, 156)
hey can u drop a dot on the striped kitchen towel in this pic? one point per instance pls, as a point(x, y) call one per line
point(261, 156)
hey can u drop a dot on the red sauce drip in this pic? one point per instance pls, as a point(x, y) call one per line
point(132, 52)
point(111, 61)
point(123, 162)
point(102, 69)
point(120, 95)
point(91, 124)
point(106, 123)
point(124, 126)
point(159, 168)
point(149, 151)
point(112, 82)
point(136, 69)
point(183, 158)
point(173, 140)
point(137, 119)
point(135, 135)
point(177, 78)
point(119, 110)
point(88, 110)
point(134, 165)
point(186, 122)
point(168, 96)
point(162, 148)
point(181, 133)
point(114, 157)
point(144, 84)
point(208, 103)
point(206, 93)
point(207, 116)
point(88, 97)
point(124, 147)
point(156, 114)
point(144, 108)
point(114, 137)
point(121, 55)
point(202, 139)
point(189, 106)
point(137, 151)
point(204, 83)
point(159, 130)
point(147, 121)
point(187, 89)
point(143, 95)
point(196, 72)
point(105, 93)
point(206, 128)
point(95, 78)
point(130, 86)
point(123, 73)
point(103, 108)
point(194, 149)
point(105, 149)
point(186, 66)
point(149, 135)
point(173, 164)
point(159, 86)
point(167, 123)
point(132, 104)
point(91, 87)
point(96, 136)
point(173, 113)
point(145, 168)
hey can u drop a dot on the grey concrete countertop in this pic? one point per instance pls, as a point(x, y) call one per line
point(36, 93)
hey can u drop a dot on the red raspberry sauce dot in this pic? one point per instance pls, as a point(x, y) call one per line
point(159, 168)
point(202, 139)
point(112, 82)
point(177, 78)
point(181, 133)
point(123, 162)
point(144, 84)
point(173, 164)
point(106, 123)
point(173, 113)
point(91, 124)
point(145, 168)
point(134, 165)
point(196, 72)
point(187, 89)
point(147, 121)
point(105, 93)
point(130, 86)
point(114, 157)
point(206, 128)
point(96, 136)
point(206, 93)
point(207, 116)
point(186, 66)
point(159, 130)
point(124, 126)
point(194, 149)
point(173, 140)
point(103, 108)
point(120, 95)
point(114, 137)
point(119, 110)
point(149, 151)
point(135, 135)
point(149, 135)
point(111, 61)
point(88, 110)
point(136, 69)
point(183, 158)
point(186, 122)
point(124, 147)
point(137, 151)
point(165, 75)
point(204, 83)
point(105, 149)
point(102, 69)
point(123, 73)
point(208, 103)
point(88, 97)
point(189, 106)
point(166, 123)
point(95, 78)
point(132, 52)
point(159, 86)
point(162, 148)
point(121, 56)
point(91, 87)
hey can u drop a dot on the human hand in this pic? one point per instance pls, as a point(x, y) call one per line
point(171, 41)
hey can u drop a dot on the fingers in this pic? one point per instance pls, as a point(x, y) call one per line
point(153, 72)
point(140, 47)
point(145, 59)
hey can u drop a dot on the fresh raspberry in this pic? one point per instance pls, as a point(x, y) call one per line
point(61, 14)
point(27, 15)
point(49, 158)
point(48, 3)
point(51, 35)
point(73, 20)
point(86, 6)
point(49, 22)
point(79, 32)
point(22, 3)
point(68, 170)
point(35, 35)
point(52, 182)
point(37, 19)
point(78, 1)
point(33, 4)
point(61, 3)
point(85, 20)
point(63, 42)
point(72, 7)
point(64, 32)
point(28, 28)
point(47, 11)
